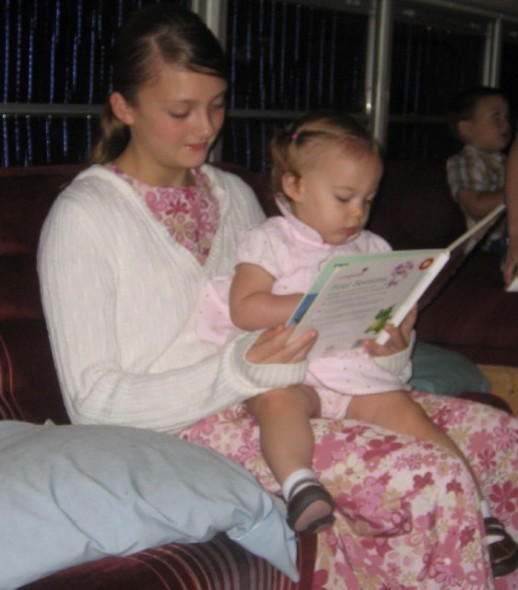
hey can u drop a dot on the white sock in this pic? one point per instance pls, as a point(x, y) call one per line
point(484, 508)
point(294, 478)
point(486, 513)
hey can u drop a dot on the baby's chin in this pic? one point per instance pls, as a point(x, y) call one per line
point(344, 239)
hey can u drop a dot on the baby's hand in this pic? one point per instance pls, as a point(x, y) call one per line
point(399, 337)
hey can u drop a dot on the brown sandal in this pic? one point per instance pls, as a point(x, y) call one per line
point(303, 500)
point(502, 553)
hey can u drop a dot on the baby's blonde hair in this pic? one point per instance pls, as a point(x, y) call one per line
point(297, 147)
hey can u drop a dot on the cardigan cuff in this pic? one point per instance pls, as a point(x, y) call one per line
point(265, 376)
point(398, 364)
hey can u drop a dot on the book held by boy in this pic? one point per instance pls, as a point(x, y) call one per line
point(512, 287)
point(354, 296)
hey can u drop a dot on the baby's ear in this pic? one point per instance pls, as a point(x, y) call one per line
point(291, 185)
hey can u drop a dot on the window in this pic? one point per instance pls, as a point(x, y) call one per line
point(286, 58)
point(55, 59)
point(435, 54)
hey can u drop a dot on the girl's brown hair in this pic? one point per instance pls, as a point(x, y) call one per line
point(158, 32)
point(296, 147)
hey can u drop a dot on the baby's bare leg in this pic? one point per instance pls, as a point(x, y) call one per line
point(284, 421)
point(287, 444)
point(397, 411)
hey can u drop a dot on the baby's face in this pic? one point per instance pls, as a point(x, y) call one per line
point(489, 128)
point(334, 195)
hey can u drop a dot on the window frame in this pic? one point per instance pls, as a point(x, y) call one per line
point(381, 14)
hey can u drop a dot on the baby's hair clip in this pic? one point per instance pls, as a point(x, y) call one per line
point(294, 136)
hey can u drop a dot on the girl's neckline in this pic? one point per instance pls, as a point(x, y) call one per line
point(194, 174)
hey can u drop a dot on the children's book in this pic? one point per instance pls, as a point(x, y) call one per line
point(512, 287)
point(354, 296)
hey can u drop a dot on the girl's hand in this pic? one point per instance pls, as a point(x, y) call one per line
point(399, 338)
point(272, 346)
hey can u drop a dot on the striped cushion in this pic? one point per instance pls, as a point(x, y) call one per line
point(219, 564)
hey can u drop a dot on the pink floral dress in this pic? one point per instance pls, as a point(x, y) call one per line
point(407, 514)
point(406, 509)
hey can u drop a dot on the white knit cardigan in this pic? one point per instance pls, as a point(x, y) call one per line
point(120, 296)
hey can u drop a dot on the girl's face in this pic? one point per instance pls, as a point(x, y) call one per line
point(175, 121)
point(334, 196)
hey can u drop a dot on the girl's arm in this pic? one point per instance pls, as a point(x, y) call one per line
point(145, 377)
point(252, 304)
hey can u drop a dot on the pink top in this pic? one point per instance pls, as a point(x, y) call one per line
point(190, 213)
point(293, 253)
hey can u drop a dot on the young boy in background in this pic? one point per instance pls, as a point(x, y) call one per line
point(479, 118)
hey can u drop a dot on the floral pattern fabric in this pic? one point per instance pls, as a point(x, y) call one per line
point(190, 214)
point(406, 510)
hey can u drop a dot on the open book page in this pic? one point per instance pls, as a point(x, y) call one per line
point(361, 293)
point(354, 296)
point(459, 250)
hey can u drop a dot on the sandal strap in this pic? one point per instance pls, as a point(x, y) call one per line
point(494, 525)
point(314, 491)
point(303, 483)
point(503, 553)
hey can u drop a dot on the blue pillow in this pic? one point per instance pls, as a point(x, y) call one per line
point(439, 370)
point(72, 494)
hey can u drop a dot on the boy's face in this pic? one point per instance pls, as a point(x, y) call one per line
point(489, 128)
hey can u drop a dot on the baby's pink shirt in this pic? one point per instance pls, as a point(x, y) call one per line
point(294, 253)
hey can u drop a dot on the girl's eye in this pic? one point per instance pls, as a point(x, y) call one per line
point(179, 115)
point(342, 199)
point(219, 106)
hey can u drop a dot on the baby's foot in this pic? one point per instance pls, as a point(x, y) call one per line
point(310, 508)
point(503, 549)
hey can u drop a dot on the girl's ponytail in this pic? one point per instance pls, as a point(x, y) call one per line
point(114, 137)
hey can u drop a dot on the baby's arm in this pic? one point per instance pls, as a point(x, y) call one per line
point(252, 304)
